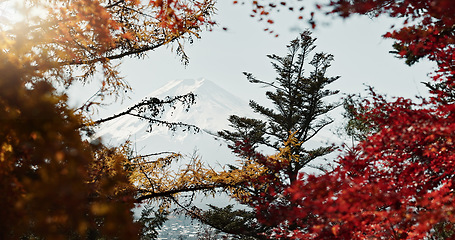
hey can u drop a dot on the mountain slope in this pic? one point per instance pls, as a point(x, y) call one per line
point(210, 112)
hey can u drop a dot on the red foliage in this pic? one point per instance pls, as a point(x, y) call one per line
point(399, 182)
point(172, 14)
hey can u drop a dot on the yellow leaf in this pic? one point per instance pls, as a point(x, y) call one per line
point(5, 149)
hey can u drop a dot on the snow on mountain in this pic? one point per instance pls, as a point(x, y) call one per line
point(210, 112)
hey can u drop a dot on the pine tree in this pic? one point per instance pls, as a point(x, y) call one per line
point(299, 111)
point(298, 103)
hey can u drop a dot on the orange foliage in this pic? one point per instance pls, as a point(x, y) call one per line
point(45, 182)
point(54, 184)
point(83, 36)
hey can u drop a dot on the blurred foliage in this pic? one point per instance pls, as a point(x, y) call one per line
point(56, 184)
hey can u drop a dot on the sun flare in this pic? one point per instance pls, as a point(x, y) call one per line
point(13, 11)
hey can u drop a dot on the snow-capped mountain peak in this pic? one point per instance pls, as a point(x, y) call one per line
point(210, 112)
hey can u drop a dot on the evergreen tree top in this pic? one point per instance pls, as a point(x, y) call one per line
point(297, 98)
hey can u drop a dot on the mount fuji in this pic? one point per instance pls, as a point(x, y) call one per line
point(210, 113)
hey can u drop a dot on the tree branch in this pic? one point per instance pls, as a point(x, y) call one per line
point(175, 191)
point(145, 102)
point(118, 56)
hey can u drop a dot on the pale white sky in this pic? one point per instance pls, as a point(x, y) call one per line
point(361, 56)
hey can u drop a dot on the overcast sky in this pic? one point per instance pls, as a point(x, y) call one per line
point(361, 56)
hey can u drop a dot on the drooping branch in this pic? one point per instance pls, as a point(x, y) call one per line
point(171, 125)
point(154, 107)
